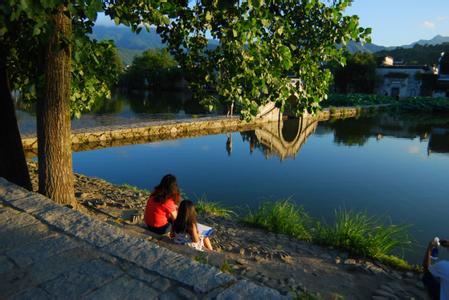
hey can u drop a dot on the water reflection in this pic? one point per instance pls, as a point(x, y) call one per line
point(433, 129)
point(123, 108)
point(282, 139)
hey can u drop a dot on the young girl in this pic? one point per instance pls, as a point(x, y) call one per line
point(185, 228)
point(162, 206)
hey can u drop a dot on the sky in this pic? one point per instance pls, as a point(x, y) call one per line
point(401, 22)
point(394, 22)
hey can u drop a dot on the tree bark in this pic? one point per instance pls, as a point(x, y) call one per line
point(53, 115)
point(13, 165)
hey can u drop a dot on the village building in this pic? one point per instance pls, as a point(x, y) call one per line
point(399, 80)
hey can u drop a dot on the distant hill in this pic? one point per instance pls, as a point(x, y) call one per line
point(357, 47)
point(437, 40)
point(131, 44)
point(373, 48)
point(124, 38)
point(128, 43)
point(418, 54)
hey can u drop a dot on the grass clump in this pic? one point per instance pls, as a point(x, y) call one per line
point(363, 235)
point(397, 262)
point(355, 232)
point(332, 110)
point(135, 188)
point(203, 206)
point(282, 216)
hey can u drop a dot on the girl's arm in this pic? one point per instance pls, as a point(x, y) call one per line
point(173, 215)
point(194, 233)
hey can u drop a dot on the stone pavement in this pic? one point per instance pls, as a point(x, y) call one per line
point(49, 251)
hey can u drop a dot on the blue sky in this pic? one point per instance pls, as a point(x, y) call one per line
point(394, 22)
point(399, 22)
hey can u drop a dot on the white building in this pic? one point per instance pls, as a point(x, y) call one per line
point(400, 81)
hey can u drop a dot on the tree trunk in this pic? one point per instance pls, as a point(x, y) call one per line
point(13, 165)
point(53, 115)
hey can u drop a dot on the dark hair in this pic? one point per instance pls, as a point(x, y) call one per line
point(186, 217)
point(168, 188)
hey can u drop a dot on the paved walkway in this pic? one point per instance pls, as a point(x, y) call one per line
point(50, 251)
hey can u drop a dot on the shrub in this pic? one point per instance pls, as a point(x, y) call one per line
point(282, 216)
point(363, 235)
point(203, 206)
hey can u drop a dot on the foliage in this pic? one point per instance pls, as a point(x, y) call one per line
point(282, 216)
point(95, 69)
point(153, 68)
point(362, 235)
point(356, 233)
point(418, 55)
point(358, 76)
point(396, 262)
point(356, 100)
point(25, 30)
point(260, 44)
point(424, 104)
point(226, 267)
point(135, 188)
point(212, 208)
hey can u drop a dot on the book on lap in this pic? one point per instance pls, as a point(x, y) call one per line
point(204, 230)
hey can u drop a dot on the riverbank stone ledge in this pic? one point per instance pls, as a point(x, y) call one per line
point(172, 129)
point(49, 250)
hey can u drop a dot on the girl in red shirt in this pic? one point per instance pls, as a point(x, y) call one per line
point(162, 206)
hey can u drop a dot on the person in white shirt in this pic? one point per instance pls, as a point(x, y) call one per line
point(436, 276)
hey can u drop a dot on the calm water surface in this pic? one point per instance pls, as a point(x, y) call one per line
point(387, 165)
point(123, 108)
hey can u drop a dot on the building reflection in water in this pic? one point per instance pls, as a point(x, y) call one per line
point(282, 139)
point(438, 141)
point(430, 128)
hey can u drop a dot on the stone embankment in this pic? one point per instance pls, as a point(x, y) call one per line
point(290, 266)
point(103, 137)
point(51, 251)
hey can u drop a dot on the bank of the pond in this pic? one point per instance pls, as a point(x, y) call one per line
point(274, 260)
point(103, 137)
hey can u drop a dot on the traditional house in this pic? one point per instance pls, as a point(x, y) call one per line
point(442, 84)
point(399, 80)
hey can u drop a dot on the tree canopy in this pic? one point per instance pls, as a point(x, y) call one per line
point(154, 68)
point(261, 44)
point(358, 75)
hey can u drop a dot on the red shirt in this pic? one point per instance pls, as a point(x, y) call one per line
point(157, 214)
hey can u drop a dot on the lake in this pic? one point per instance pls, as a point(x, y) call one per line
point(388, 165)
point(394, 165)
point(124, 108)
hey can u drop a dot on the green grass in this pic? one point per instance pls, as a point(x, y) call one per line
point(363, 235)
point(332, 110)
point(356, 232)
point(356, 100)
point(282, 216)
point(423, 104)
point(203, 206)
point(135, 188)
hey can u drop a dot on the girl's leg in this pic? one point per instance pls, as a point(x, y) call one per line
point(207, 244)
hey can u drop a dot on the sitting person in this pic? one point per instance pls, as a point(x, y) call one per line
point(162, 206)
point(185, 228)
point(436, 276)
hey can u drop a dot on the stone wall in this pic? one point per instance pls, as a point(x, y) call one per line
point(102, 137)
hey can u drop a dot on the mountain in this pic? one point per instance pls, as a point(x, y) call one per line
point(373, 48)
point(125, 38)
point(131, 44)
point(357, 47)
point(437, 40)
